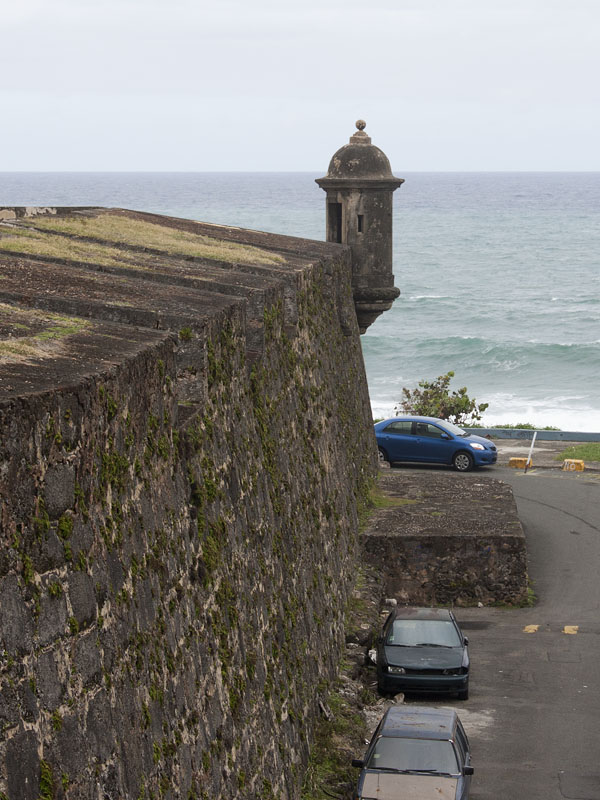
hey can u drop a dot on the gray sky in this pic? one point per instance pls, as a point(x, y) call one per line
point(278, 84)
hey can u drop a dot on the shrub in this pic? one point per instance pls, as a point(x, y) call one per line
point(434, 399)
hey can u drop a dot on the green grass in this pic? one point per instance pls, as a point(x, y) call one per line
point(40, 344)
point(376, 498)
point(379, 499)
point(30, 242)
point(46, 781)
point(107, 227)
point(590, 451)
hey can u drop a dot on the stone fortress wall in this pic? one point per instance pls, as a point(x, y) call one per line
point(185, 438)
point(185, 443)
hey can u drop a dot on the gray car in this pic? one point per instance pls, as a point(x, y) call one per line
point(417, 752)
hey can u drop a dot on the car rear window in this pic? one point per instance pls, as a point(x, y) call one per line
point(413, 632)
point(394, 752)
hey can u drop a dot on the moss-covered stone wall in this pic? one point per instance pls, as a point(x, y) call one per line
point(179, 534)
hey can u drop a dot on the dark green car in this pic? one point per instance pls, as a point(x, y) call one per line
point(423, 650)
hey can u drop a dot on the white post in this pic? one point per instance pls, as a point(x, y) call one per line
point(528, 462)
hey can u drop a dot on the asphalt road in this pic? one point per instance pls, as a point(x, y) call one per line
point(533, 715)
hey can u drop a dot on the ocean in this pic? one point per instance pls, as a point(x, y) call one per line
point(499, 274)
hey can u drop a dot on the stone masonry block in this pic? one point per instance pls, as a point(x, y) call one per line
point(24, 774)
point(16, 619)
point(52, 621)
point(83, 600)
point(59, 489)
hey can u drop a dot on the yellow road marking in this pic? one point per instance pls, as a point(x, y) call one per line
point(570, 629)
point(531, 628)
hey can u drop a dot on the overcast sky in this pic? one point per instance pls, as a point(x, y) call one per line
point(277, 84)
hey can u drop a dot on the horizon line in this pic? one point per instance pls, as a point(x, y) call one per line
point(293, 172)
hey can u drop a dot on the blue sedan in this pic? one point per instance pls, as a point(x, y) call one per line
point(434, 441)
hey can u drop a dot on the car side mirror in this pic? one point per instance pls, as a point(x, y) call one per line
point(466, 639)
point(444, 436)
point(358, 762)
point(468, 771)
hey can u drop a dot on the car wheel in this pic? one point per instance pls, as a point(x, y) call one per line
point(464, 695)
point(382, 454)
point(462, 461)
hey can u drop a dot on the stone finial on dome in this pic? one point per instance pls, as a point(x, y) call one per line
point(359, 161)
point(360, 137)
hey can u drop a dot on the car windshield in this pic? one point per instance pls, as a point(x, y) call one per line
point(451, 427)
point(418, 755)
point(414, 632)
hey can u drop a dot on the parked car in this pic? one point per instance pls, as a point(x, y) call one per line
point(417, 752)
point(423, 650)
point(434, 441)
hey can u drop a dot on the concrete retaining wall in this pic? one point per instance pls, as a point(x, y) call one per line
point(449, 539)
point(542, 436)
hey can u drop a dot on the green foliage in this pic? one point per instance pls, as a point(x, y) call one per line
point(586, 452)
point(82, 563)
point(46, 781)
point(531, 598)
point(28, 571)
point(55, 589)
point(271, 317)
point(65, 527)
point(80, 502)
point(111, 407)
point(434, 399)
point(211, 550)
point(329, 766)
point(41, 523)
point(64, 531)
point(114, 470)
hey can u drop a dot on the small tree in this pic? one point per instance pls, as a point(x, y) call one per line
point(434, 399)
